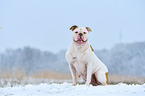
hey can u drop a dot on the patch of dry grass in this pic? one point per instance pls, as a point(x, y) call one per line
point(51, 75)
point(126, 79)
point(11, 78)
point(16, 78)
point(13, 74)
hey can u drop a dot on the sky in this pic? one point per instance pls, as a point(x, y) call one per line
point(44, 24)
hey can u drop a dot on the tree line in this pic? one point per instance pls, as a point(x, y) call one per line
point(122, 59)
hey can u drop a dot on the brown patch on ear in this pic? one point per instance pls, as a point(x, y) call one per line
point(73, 27)
point(89, 30)
point(107, 78)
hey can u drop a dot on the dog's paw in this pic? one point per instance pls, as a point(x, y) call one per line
point(87, 84)
point(74, 84)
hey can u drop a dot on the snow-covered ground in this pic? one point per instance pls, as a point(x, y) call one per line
point(66, 89)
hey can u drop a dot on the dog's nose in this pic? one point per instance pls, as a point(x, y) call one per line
point(80, 34)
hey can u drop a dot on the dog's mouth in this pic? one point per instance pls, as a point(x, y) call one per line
point(80, 41)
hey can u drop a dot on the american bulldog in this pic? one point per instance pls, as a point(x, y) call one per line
point(82, 60)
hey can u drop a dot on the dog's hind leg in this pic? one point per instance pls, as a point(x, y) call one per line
point(101, 78)
point(94, 81)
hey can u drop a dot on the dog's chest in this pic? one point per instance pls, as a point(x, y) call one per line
point(80, 63)
point(80, 67)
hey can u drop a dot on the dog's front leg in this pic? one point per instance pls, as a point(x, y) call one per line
point(89, 73)
point(73, 73)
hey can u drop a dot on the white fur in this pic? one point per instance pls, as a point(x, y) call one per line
point(83, 61)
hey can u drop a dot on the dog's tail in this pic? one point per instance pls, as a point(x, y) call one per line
point(92, 48)
point(107, 78)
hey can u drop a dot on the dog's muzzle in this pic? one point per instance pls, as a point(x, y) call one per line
point(80, 39)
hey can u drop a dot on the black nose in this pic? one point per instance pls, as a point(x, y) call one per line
point(80, 34)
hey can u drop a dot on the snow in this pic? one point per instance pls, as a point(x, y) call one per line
point(66, 89)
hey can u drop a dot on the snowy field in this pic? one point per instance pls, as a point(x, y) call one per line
point(66, 89)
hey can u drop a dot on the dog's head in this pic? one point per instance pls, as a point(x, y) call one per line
point(80, 34)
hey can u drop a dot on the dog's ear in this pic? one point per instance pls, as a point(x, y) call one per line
point(73, 27)
point(89, 30)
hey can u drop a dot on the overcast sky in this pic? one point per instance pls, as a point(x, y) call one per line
point(45, 24)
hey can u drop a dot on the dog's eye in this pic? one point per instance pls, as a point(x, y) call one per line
point(84, 32)
point(76, 32)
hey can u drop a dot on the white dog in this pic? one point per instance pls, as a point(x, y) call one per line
point(83, 61)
